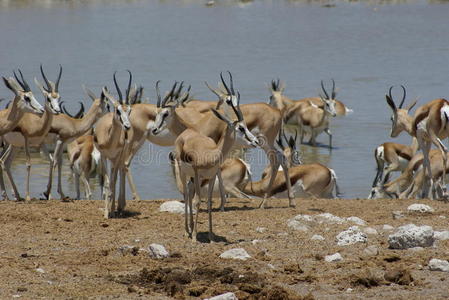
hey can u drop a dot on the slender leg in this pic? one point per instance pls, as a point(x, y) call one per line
point(198, 193)
point(329, 133)
point(110, 199)
point(53, 162)
point(28, 164)
point(274, 163)
point(209, 207)
point(425, 146)
point(4, 193)
point(122, 195)
point(221, 188)
point(7, 159)
point(191, 190)
point(186, 206)
point(291, 201)
point(59, 163)
point(77, 186)
point(85, 180)
point(129, 175)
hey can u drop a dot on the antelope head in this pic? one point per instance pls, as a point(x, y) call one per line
point(122, 107)
point(400, 116)
point(224, 93)
point(276, 89)
point(291, 153)
point(329, 102)
point(242, 135)
point(27, 102)
point(102, 102)
point(166, 106)
point(51, 91)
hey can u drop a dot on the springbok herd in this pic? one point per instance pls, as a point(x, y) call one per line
point(203, 134)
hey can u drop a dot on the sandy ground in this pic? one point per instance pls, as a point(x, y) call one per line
point(52, 249)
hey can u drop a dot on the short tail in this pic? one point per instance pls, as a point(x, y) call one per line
point(338, 194)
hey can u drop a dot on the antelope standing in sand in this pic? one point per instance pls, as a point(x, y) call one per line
point(199, 157)
point(31, 130)
point(23, 102)
point(111, 139)
point(308, 180)
point(65, 129)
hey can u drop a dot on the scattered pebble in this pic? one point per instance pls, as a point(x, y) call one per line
point(174, 206)
point(254, 242)
point(409, 236)
point(329, 218)
point(306, 218)
point(351, 236)
point(370, 230)
point(261, 229)
point(356, 220)
point(235, 253)
point(416, 249)
point(420, 208)
point(387, 227)
point(334, 257)
point(348, 290)
point(225, 296)
point(371, 250)
point(442, 217)
point(157, 251)
point(441, 235)
point(127, 249)
point(40, 270)
point(439, 265)
point(397, 214)
point(317, 237)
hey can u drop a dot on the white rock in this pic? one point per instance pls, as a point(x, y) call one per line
point(416, 249)
point(297, 225)
point(439, 265)
point(271, 266)
point(306, 218)
point(397, 214)
point(441, 235)
point(225, 296)
point(40, 270)
point(370, 230)
point(351, 236)
point(334, 257)
point(157, 251)
point(235, 253)
point(329, 218)
point(317, 237)
point(409, 236)
point(371, 250)
point(387, 227)
point(356, 220)
point(348, 290)
point(254, 242)
point(442, 217)
point(420, 208)
point(261, 229)
point(173, 207)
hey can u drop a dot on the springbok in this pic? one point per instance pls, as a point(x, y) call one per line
point(31, 130)
point(282, 102)
point(23, 102)
point(199, 157)
point(111, 139)
point(65, 129)
point(84, 160)
point(308, 180)
point(260, 119)
point(428, 126)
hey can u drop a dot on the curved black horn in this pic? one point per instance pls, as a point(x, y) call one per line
point(224, 84)
point(333, 89)
point(80, 113)
point(278, 84)
point(232, 83)
point(158, 104)
point(58, 79)
point(403, 97)
point(178, 92)
point(170, 95)
point(324, 90)
point(45, 79)
point(237, 110)
point(211, 89)
point(129, 86)
point(119, 92)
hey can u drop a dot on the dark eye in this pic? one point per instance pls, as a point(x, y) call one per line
point(242, 129)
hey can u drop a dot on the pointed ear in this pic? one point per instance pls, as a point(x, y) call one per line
point(39, 85)
point(221, 117)
point(282, 87)
point(391, 103)
point(411, 105)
